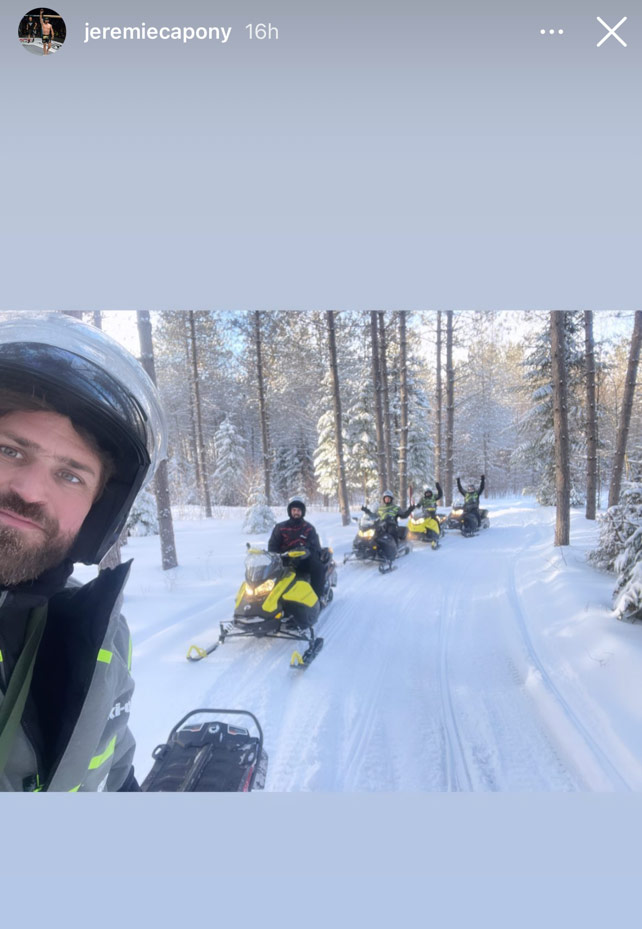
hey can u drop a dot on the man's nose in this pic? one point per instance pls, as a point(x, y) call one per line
point(30, 482)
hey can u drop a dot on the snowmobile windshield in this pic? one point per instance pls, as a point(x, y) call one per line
point(260, 566)
point(367, 522)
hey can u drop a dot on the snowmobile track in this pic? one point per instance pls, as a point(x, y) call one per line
point(604, 762)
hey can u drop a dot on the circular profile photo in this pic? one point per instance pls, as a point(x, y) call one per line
point(42, 31)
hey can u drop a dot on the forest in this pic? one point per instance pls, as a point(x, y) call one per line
point(291, 402)
point(340, 405)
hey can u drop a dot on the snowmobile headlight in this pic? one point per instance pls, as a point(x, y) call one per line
point(366, 533)
point(262, 590)
point(458, 512)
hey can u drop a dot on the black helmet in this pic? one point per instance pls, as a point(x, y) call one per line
point(87, 376)
point(296, 501)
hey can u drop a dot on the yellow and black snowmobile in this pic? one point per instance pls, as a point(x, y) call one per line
point(424, 525)
point(276, 601)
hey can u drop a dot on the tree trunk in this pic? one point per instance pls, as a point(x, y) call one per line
point(591, 417)
point(161, 481)
point(387, 419)
point(403, 397)
point(336, 400)
point(450, 409)
point(627, 407)
point(560, 428)
point(265, 435)
point(439, 400)
point(97, 319)
point(192, 406)
point(378, 388)
point(200, 441)
point(112, 559)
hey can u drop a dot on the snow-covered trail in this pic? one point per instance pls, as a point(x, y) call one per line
point(440, 676)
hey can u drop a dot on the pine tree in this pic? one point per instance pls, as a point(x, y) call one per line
point(536, 448)
point(421, 452)
point(627, 597)
point(228, 479)
point(617, 525)
point(259, 518)
point(325, 456)
point(143, 516)
point(360, 445)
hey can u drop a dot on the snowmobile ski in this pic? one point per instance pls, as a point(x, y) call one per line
point(302, 661)
point(196, 653)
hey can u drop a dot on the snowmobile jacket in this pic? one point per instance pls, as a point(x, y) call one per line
point(73, 735)
point(389, 510)
point(430, 501)
point(471, 496)
point(293, 532)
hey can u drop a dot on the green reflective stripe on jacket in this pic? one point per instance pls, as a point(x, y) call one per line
point(388, 509)
point(471, 498)
point(105, 655)
point(74, 790)
point(98, 760)
point(1, 658)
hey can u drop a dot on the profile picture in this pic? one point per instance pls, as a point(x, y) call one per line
point(42, 31)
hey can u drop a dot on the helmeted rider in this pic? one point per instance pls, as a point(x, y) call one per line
point(297, 532)
point(81, 433)
point(429, 499)
point(471, 497)
point(389, 510)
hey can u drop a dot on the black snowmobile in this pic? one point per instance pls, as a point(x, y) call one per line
point(462, 517)
point(276, 601)
point(376, 541)
point(209, 755)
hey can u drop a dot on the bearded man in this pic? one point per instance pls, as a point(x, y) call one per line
point(81, 432)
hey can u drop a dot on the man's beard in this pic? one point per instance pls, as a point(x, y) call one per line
point(20, 559)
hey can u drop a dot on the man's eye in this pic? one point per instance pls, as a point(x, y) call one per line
point(9, 452)
point(70, 478)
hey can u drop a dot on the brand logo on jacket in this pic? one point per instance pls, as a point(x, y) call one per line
point(120, 708)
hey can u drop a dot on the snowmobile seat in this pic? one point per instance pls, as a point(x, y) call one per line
point(210, 756)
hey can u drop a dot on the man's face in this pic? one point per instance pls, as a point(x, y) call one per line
point(297, 512)
point(49, 478)
point(387, 500)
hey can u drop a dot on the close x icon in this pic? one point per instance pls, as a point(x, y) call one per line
point(611, 31)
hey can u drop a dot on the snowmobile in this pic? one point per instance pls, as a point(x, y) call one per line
point(209, 756)
point(461, 517)
point(425, 525)
point(376, 541)
point(276, 601)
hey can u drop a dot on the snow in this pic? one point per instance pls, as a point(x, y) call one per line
point(492, 664)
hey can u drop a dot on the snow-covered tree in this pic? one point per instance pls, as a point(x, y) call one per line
point(360, 444)
point(627, 597)
point(228, 479)
point(325, 456)
point(143, 516)
point(536, 448)
point(421, 450)
point(617, 525)
point(293, 471)
point(259, 518)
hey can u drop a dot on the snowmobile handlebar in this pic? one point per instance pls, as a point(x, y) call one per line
point(295, 555)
